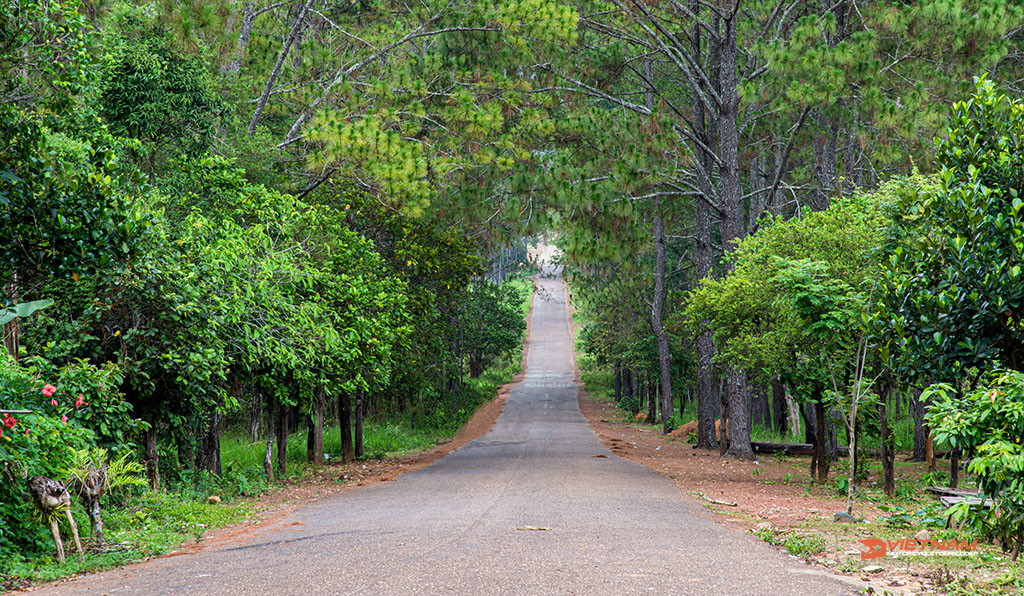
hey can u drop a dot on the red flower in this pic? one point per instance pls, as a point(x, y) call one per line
point(9, 421)
point(26, 432)
point(80, 401)
point(49, 390)
point(53, 402)
point(64, 419)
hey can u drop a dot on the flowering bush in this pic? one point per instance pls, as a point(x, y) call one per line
point(47, 413)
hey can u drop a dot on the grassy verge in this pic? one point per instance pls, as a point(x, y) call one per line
point(140, 526)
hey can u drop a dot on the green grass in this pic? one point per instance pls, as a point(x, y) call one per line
point(144, 525)
point(799, 545)
point(380, 439)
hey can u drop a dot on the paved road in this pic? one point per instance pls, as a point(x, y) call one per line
point(526, 509)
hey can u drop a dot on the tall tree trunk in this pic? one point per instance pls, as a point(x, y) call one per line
point(152, 457)
point(315, 440)
point(954, 467)
point(617, 368)
point(708, 400)
point(345, 427)
point(723, 422)
point(634, 388)
point(209, 452)
point(12, 330)
point(360, 412)
point(739, 419)
point(289, 41)
point(731, 197)
point(660, 335)
point(256, 415)
point(809, 411)
point(760, 409)
point(248, 16)
point(12, 339)
point(824, 461)
point(779, 406)
point(929, 453)
point(650, 394)
point(268, 453)
point(282, 438)
point(95, 519)
point(921, 434)
point(888, 446)
point(825, 159)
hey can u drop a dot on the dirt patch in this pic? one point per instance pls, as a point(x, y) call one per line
point(774, 495)
point(767, 489)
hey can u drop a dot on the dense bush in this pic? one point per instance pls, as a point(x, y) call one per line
point(49, 413)
point(987, 424)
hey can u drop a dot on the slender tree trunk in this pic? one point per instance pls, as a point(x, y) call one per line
point(921, 434)
point(708, 400)
point(851, 430)
point(820, 447)
point(248, 16)
point(650, 394)
point(723, 422)
point(152, 457)
point(634, 388)
point(825, 158)
point(282, 438)
point(929, 453)
point(95, 519)
point(268, 453)
point(345, 427)
point(831, 433)
point(660, 335)
point(888, 448)
point(954, 467)
point(256, 415)
point(809, 413)
point(289, 41)
point(779, 405)
point(360, 412)
point(731, 197)
point(760, 409)
point(12, 338)
point(618, 383)
point(315, 439)
point(209, 453)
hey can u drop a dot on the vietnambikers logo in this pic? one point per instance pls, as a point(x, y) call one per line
point(876, 547)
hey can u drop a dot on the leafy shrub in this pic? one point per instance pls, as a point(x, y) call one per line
point(986, 424)
point(50, 413)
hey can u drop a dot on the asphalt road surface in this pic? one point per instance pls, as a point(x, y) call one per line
point(536, 507)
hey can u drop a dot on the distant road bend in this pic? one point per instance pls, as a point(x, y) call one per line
point(526, 509)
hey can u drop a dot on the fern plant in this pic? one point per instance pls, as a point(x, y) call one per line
point(91, 475)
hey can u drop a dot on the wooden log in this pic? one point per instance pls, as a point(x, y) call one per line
point(946, 491)
point(950, 501)
point(792, 448)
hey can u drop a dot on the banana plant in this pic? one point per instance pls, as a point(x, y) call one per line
point(22, 310)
